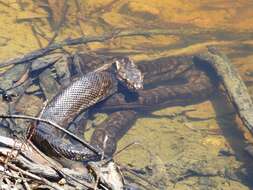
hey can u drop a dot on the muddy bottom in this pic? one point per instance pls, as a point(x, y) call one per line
point(198, 147)
point(192, 147)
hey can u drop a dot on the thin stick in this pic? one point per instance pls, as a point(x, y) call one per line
point(126, 147)
point(54, 125)
point(79, 14)
point(27, 187)
point(33, 176)
point(7, 5)
point(60, 23)
point(137, 175)
point(54, 165)
point(84, 40)
point(35, 35)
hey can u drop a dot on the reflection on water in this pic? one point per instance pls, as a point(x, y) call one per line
point(198, 146)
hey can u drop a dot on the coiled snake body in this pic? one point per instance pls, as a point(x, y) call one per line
point(80, 95)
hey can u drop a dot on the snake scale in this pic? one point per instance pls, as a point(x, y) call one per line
point(81, 94)
point(168, 81)
point(193, 84)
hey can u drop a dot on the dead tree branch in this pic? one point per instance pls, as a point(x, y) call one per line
point(85, 40)
point(54, 125)
point(233, 84)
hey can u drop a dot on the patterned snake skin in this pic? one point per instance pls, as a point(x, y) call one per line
point(64, 108)
point(168, 81)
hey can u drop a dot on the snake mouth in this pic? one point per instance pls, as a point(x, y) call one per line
point(129, 74)
point(136, 87)
point(133, 86)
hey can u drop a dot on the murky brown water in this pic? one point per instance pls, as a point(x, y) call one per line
point(183, 145)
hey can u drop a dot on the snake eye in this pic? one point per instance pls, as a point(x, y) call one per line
point(6, 97)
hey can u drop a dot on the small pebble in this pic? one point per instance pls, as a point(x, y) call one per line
point(62, 182)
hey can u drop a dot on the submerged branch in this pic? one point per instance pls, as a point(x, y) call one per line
point(54, 125)
point(30, 175)
point(233, 84)
point(85, 40)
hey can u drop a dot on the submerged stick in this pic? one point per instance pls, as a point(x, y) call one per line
point(31, 175)
point(56, 126)
point(85, 40)
point(233, 84)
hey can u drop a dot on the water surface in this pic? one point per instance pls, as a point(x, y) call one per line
point(180, 146)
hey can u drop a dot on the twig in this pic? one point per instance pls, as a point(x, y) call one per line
point(79, 15)
point(53, 171)
point(54, 125)
point(84, 40)
point(36, 36)
point(101, 9)
point(8, 184)
point(7, 5)
point(63, 173)
point(126, 147)
point(27, 187)
point(40, 32)
point(26, 173)
point(60, 23)
point(137, 175)
point(23, 77)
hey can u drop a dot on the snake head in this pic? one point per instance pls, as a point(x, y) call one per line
point(128, 73)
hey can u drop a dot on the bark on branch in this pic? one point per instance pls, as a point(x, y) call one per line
point(233, 84)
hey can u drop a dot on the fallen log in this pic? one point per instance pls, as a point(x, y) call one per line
point(19, 157)
point(233, 84)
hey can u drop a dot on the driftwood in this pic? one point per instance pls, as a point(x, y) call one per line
point(18, 157)
point(24, 158)
point(54, 125)
point(233, 84)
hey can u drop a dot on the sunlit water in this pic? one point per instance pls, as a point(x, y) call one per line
point(193, 147)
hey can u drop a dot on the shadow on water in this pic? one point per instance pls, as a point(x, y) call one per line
point(229, 127)
point(235, 138)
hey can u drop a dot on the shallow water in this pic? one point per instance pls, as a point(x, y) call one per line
point(180, 146)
